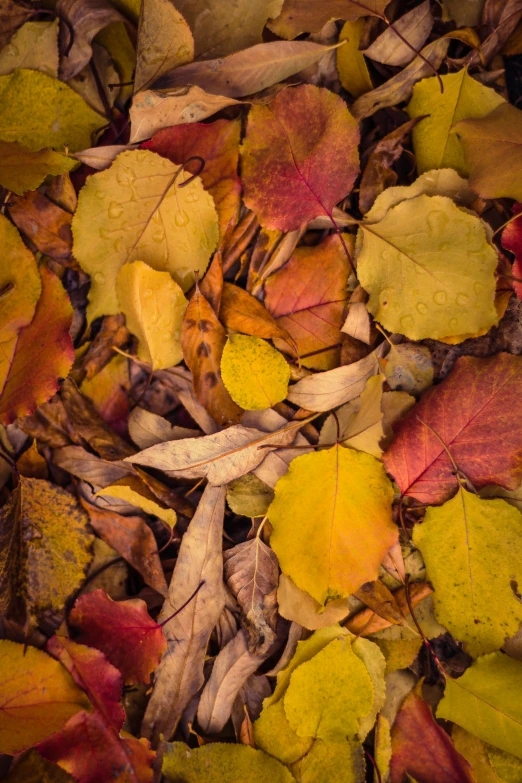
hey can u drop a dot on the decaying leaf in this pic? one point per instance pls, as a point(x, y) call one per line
point(135, 210)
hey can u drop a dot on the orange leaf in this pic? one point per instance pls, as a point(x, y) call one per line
point(299, 157)
point(43, 223)
point(44, 353)
point(308, 296)
point(218, 144)
point(123, 631)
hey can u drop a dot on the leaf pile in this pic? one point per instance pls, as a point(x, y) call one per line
point(260, 373)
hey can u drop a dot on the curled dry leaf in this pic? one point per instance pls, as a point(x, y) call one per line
point(85, 18)
point(252, 573)
point(164, 42)
point(199, 567)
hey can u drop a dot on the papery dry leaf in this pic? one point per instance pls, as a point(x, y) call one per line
point(45, 224)
point(199, 567)
point(232, 667)
point(307, 296)
point(415, 26)
point(12, 16)
point(246, 72)
point(218, 144)
point(100, 158)
point(86, 18)
point(252, 573)
point(112, 334)
point(284, 170)
point(202, 341)
point(164, 42)
point(221, 457)
point(34, 46)
point(307, 16)
point(146, 429)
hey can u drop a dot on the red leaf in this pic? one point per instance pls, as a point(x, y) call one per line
point(422, 749)
point(91, 752)
point(123, 631)
point(218, 144)
point(44, 353)
point(512, 240)
point(299, 157)
point(307, 297)
point(475, 413)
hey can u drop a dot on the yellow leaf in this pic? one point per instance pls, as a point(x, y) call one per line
point(255, 374)
point(474, 751)
point(20, 283)
point(22, 169)
point(164, 42)
point(38, 696)
point(124, 490)
point(298, 606)
point(487, 701)
point(437, 279)
point(35, 46)
point(331, 762)
point(136, 210)
point(332, 522)
point(249, 496)
point(462, 546)
point(435, 144)
point(221, 763)
point(154, 306)
point(39, 111)
point(360, 421)
point(274, 735)
point(353, 71)
point(115, 39)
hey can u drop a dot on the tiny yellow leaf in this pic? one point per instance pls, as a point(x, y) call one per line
point(332, 523)
point(154, 306)
point(136, 210)
point(353, 71)
point(123, 490)
point(255, 374)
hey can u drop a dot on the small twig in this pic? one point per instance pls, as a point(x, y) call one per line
point(189, 599)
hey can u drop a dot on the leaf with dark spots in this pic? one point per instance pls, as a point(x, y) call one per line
point(44, 224)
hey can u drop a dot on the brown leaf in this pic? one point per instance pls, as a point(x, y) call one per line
point(12, 16)
point(211, 287)
point(164, 42)
point(180, 673)
point(86, 18)
point(112, 334)
point(133, 539)
point(252, 574)
point(309, 16)
point(232, 668)
point(380, 600)
point(368, 621)
point(43, 223)
point(202, 341)
point(415, 27)
point(242, 312)
point(90, 468)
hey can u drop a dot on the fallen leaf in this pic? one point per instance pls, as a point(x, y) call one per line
point(501, 19)
point(512, 241)
point(232, 667)
point(482, 440)
point(112, 334)
point(306, 16)
point(491, 147)
point(283, 171)
point(246, 72)
point(422, 749)
point(464, 98)
point(109, 393)
point(409, 368)
point(34, 46)
point(307, 296)
point(326, 390)
point(328, 561)
point(12, 16)
point(136, 493)
point(299, 606)
point(180, 673)
point(38, 696)
point(43, 223)
point(252, 573)
point(474, 751)
point(460, 546)
point(390, 48)
point(452, 264)
point(328, 760)
point(47, 548)
point(359, 423)
point(249, 496)
point(22, 169)
point(154, 306)
point(485, 701)
point(133, 539)
point(32, 768)
point(146, 429)
point(123, 631)
point(153, 110)
point(218, 144)
point(220, 30)
point(100, 158)
point(221, 763)
point(39, 111)
point(351, 65)
point(85, 19)
point(164, 42)
point(242, 312)
point(136, 210)
point(255, 374)
point(221, 457)
point(202, 341)
point(369, 621)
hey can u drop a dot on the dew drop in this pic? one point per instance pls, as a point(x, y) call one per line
point(453, 323)
point(439, 297)
point(386, 255)
point(115, 209)
point(124, 177)
point(181, 218)
point(421, 308)
point(167, 336)
point(100, 194)
point(158, 235)
point(141, 156)
point(119, 245)
point(192, 197)
point(478, 288)
point(407, 321)
point(462, 299)
point(99, 277)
